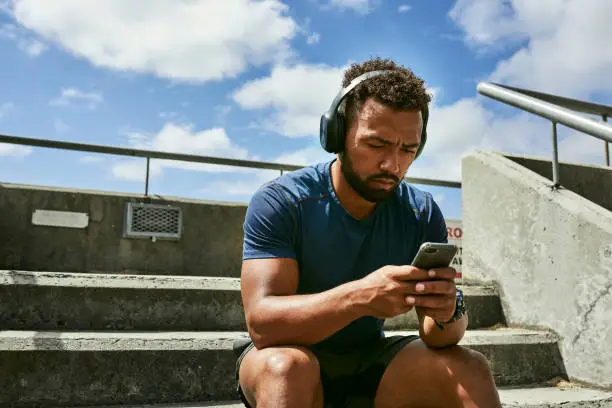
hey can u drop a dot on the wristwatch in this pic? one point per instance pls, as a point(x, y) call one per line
point(459, 311)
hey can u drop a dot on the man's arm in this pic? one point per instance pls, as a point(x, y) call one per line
point(433, 336)
point(275, 315)
point(430, 333)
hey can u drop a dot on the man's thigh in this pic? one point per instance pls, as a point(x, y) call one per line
point(352, 379)
point(453, 376)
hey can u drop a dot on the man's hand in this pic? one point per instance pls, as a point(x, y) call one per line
point(436, 297)
point(394, 290)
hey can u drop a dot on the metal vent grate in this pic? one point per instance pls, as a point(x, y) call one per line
point(153, 221)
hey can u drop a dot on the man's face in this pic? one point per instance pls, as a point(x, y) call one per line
point(381, 145)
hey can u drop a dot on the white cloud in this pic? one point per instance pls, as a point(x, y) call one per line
point(404, 8)
point(298, 95)
point(465, 125)
point(26, 43)
point(305, 157)
point(182, 138)
point(73, 96)
point(14, 150)
point(243, 189)
point(560, 46)
point(468, 124)
point(486, 22)
point(195, 40)
point(313, 38)
point(359, 6)
point(580, 148)
point(564, 44)
point(136, 169)
point(7, 149)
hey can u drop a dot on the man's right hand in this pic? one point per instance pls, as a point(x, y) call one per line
point(384, 292)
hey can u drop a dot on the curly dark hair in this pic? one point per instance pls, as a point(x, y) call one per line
point(401, 90)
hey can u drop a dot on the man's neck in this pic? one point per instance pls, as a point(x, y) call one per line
point(352, 202)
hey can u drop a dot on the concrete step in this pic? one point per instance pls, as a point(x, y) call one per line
point(87, 301)
point(87, 368)
point(537, 397)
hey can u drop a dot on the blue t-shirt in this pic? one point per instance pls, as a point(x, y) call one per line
point(299, 216)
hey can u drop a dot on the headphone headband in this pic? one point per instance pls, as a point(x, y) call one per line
point(352, 85)
point(332, 130)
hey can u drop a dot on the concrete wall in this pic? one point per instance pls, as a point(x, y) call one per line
point(550, 252)
point(211, 243)
point(586, 181)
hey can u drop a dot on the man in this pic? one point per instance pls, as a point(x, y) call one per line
point(326, 259)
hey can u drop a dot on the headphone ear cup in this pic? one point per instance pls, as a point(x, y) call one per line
point(340, 135)
point(331, 132)
point(324, 131)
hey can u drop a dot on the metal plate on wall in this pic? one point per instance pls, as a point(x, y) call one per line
point(64, 219)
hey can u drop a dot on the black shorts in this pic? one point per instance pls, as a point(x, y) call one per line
point(349, 379)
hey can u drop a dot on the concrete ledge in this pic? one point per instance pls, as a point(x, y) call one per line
point(111, 280)
point(81, 301)
point(130, 281)
point(180, 341)
point(540, 397)
point(87, 301)
point(68, 368)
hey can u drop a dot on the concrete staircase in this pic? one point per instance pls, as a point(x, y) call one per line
point(85, 339)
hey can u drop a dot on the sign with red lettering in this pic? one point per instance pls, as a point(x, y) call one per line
point(455, 234)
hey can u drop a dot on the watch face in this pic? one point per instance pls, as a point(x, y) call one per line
point(460, 308)
point(460, 304)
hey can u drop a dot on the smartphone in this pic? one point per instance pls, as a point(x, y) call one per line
point(434, 255)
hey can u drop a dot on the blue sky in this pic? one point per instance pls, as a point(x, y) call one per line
point(249, 79)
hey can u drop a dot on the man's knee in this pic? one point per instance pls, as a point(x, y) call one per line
point(448, 362)
point(291, 363)
point(464, 359)
point(274, 374)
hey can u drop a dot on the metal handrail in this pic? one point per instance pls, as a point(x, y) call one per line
point(156, 154)
point(558, 110)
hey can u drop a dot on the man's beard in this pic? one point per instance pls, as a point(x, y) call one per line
point(374, 195)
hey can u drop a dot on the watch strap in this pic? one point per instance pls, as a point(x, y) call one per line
point(459, 311)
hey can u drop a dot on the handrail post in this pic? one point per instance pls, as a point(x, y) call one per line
point(555, 160)
point(606, 144)
point(147, 178)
